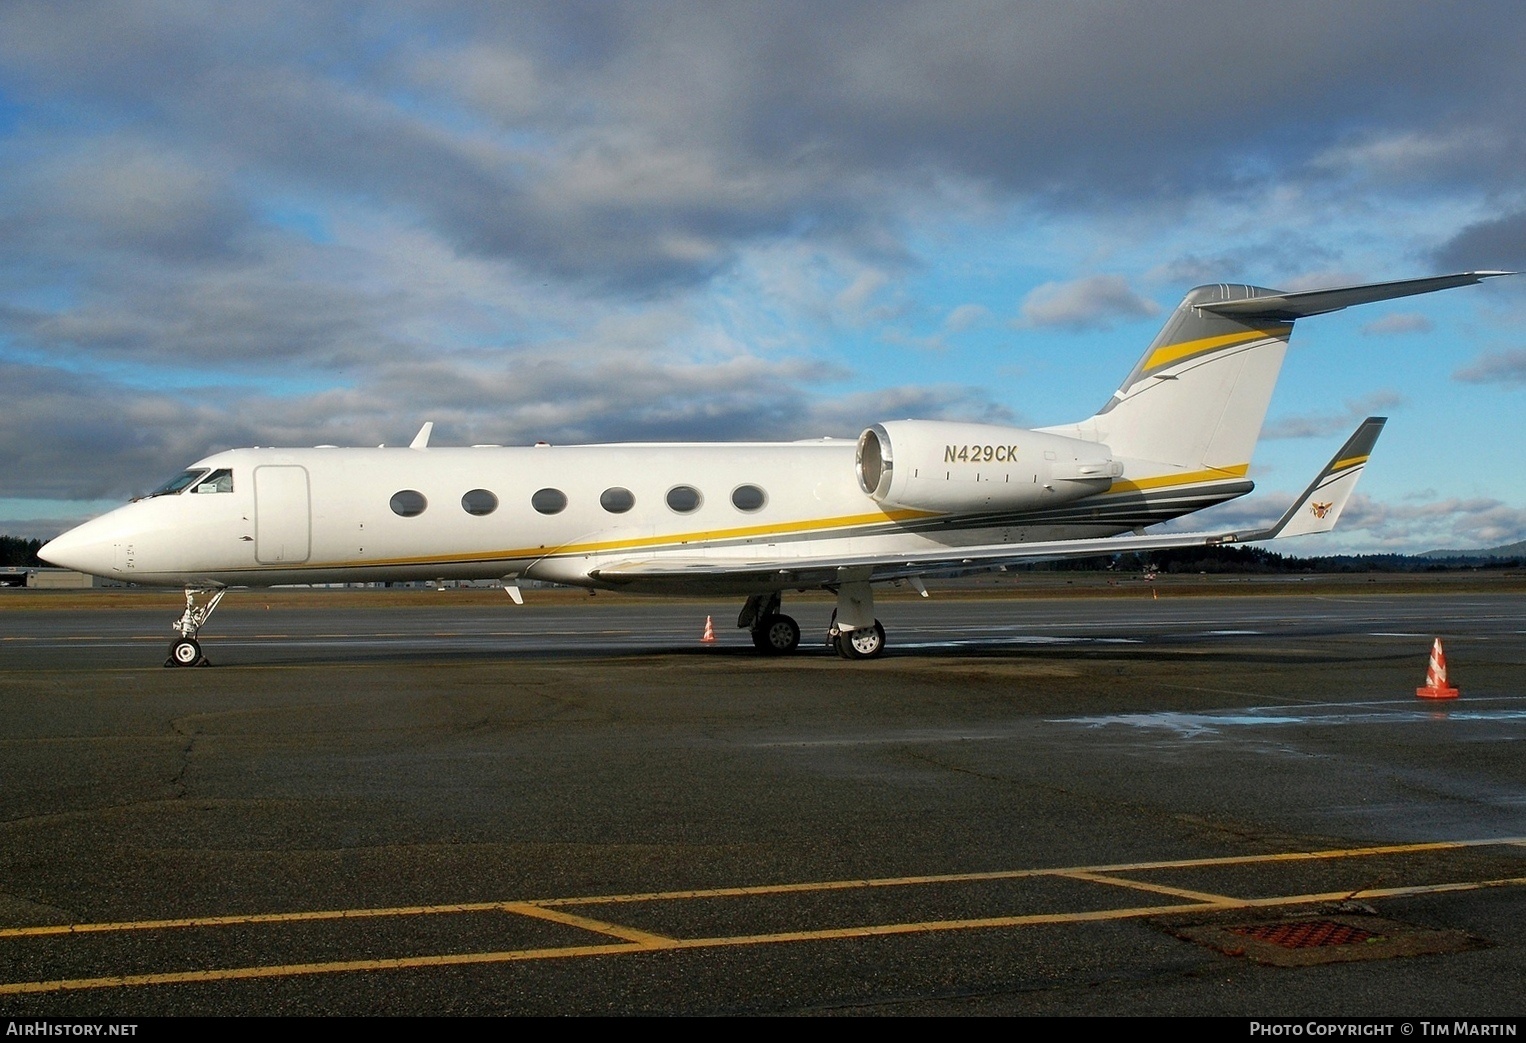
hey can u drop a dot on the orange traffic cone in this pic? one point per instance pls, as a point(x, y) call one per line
point(709, 631)
point(1436, 686)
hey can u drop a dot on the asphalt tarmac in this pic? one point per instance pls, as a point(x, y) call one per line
point(427, 804)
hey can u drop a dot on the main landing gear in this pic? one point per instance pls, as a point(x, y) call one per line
point(184, 650)
point(862, 643)
point(854, 633)
point(772, 632)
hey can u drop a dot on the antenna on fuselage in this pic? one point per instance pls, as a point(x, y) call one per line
point(421, 440)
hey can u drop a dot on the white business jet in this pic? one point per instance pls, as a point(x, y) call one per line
point(907, 499)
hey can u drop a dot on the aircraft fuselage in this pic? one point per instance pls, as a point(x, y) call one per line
point(546, 512)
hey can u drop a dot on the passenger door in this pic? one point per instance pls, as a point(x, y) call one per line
point(282, 515)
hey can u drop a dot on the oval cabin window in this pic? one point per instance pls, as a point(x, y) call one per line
point(684, 498)
point(748, 498)
point(617, 500)
point(479, 502)
point(409, 503)
point(549, 501)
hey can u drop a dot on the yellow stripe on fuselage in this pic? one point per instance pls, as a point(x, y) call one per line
point(1164, 481)
point(811, 525)
point(823, 525)
point(851, 521)
point(1173, 352)
point(670, 539)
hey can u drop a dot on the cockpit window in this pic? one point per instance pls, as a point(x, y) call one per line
point(179, 483)
point(217, 482)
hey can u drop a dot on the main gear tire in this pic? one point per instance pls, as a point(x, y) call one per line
point(863, 643)
point(776, 635)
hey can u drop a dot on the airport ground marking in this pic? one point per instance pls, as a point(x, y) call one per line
point(645, 939)
point(1016, 874)
point(1204, 897)
point(1106, 874)
point(633, 940)
point(658, 943)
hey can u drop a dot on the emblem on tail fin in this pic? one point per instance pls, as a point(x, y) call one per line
point(1319, 510)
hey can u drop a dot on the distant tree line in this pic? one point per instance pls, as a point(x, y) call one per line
point(1257, 560)
point(17, 551)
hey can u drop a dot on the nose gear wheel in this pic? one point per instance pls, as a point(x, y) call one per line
point(184, 650)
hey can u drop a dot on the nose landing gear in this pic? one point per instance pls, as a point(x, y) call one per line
point(184, 650)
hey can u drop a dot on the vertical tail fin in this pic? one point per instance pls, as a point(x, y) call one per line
point(1196, 400)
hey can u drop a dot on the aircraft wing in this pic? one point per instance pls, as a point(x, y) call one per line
point(1317, 510)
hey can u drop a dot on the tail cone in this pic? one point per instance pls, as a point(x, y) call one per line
point(1436, 686)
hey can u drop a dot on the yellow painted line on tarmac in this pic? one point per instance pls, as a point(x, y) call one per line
point(1205, 897)
point(643, 938)
point(1410, 891)
point(307, 916)
point(631, 940)
point(657, 942)
point(248, 919)
point(1017, 874)
point(291, 970)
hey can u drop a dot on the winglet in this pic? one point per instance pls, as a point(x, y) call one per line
point(1318, 509)
point(421, 440)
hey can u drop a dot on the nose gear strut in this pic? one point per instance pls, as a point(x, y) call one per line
point(184, 651)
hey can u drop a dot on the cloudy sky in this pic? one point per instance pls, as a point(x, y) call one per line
point(309, 222)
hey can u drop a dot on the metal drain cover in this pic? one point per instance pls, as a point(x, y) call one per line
point(1306, 934)
point(1308, 940)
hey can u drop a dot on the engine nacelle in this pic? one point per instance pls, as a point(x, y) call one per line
point(931, 465)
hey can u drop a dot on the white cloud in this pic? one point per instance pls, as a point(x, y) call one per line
point(854, 300)
point(1407, 155)
point(1094, 302)
point(1369, 525)
point(1449, 524)
point(965, 316)
point(1343, 422)
point(1321, 279)
point(1412, 322)
point(1500, 367)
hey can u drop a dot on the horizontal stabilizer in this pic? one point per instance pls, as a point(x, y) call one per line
point(1285, 307)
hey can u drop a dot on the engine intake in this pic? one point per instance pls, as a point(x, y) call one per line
point(930, 465)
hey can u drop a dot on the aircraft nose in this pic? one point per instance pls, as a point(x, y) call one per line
point(82, 550)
